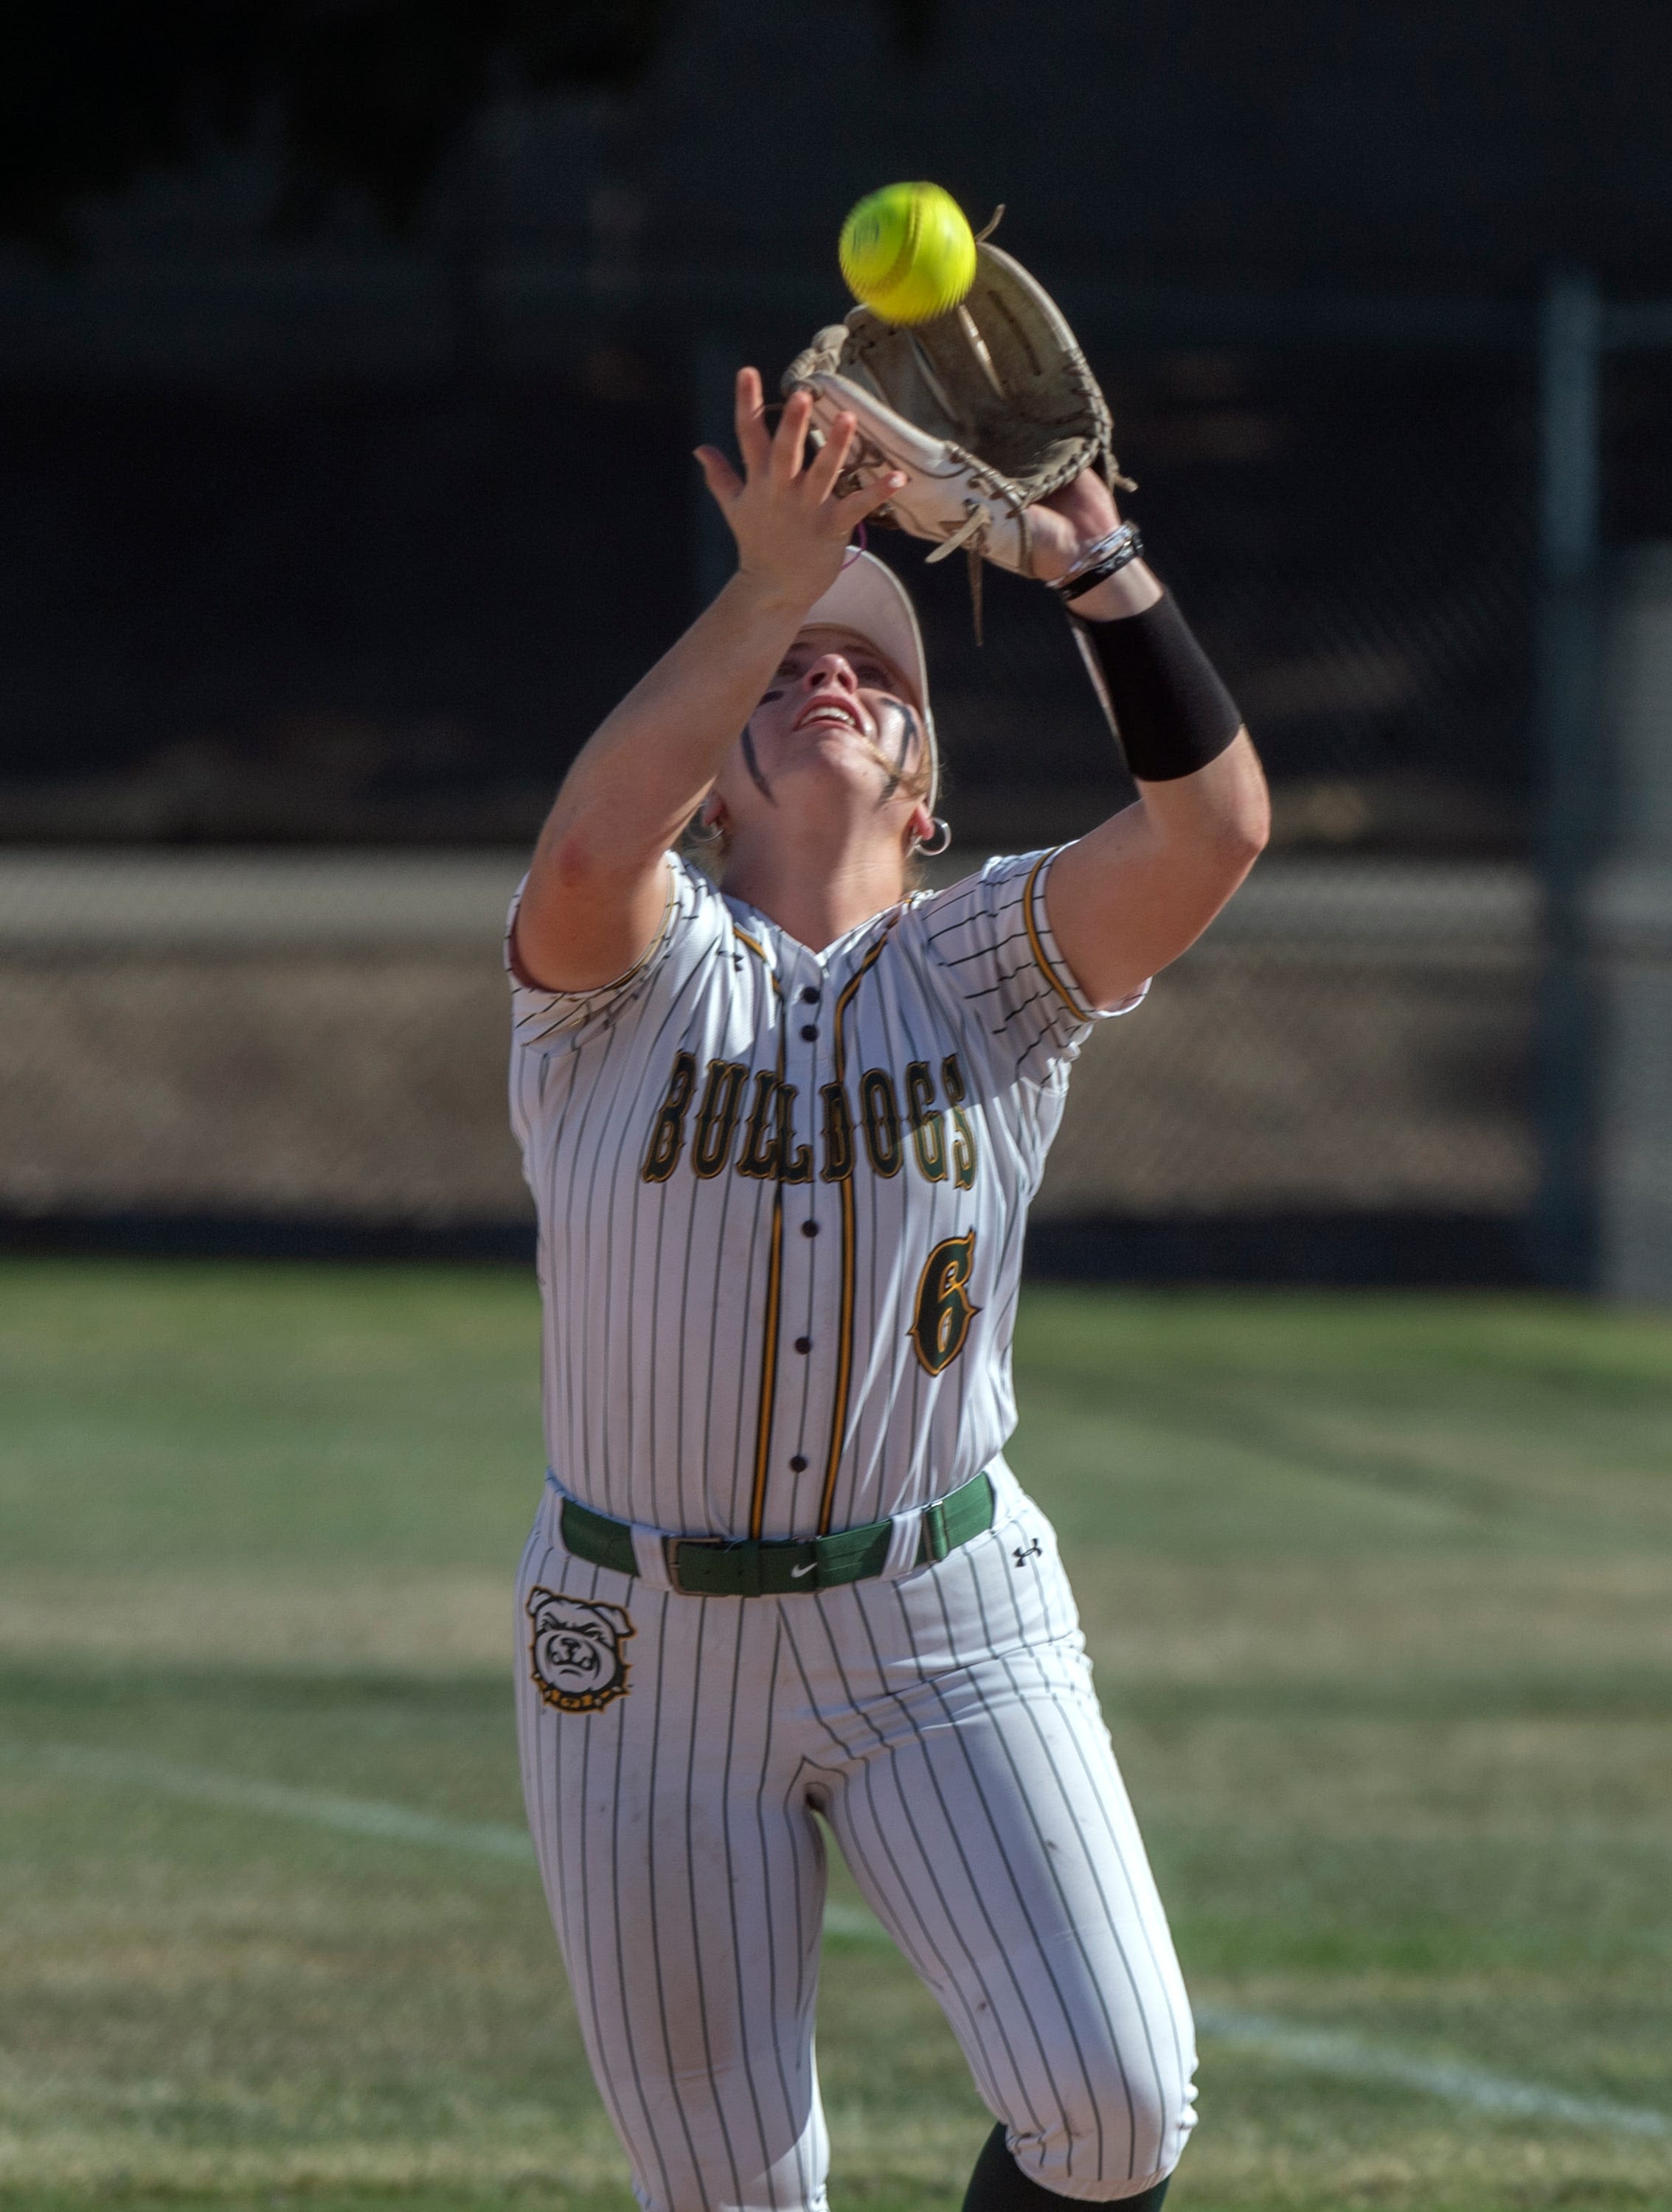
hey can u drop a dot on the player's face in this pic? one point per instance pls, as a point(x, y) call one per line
point(835, 708)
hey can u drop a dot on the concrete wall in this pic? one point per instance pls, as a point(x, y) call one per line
point(324, 1035)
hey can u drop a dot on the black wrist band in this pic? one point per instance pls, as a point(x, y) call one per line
point(1100, 575)
point(1162, 693)
point(1075, 587)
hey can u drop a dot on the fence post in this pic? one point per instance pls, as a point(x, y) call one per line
point(1631, 905)
point(1570, 755)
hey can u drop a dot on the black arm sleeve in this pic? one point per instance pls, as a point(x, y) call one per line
point(1164, 696)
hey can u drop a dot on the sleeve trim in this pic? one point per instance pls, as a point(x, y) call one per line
point(1048, 966)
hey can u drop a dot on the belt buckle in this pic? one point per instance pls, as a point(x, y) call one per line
point(671, 1548)
point(932, 1544)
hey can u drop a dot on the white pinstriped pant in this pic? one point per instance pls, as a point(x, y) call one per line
point(946, 1725)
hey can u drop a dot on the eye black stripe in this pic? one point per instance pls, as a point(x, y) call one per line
point(754, 768)
point(908, 731)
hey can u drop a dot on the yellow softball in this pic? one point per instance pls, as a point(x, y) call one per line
point(909, 253)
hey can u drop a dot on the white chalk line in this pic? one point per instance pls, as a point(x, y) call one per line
point(1332, 2051)
point(353, 1816)
point(1314, 2051)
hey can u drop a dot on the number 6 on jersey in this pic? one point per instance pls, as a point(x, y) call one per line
point(941, 1317)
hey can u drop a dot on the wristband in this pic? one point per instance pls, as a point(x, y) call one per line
point(1098, 562)
point(1164, 696)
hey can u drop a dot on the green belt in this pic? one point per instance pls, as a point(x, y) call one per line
point(742, 1566)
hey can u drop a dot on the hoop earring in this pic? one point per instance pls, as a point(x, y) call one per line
point(943, 839)
point(708, 833)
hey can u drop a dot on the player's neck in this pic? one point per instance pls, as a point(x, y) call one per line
point(816, 900)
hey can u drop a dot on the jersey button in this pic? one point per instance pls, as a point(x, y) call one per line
point(799, 1464)
point(810, 1229)
point(810, 994)
point(803, 1343)
point(809, 1032)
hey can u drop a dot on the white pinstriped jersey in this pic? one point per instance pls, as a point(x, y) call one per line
point(782, 1197)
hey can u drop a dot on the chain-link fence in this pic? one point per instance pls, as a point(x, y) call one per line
point(311, 1042)
point(321, 1040)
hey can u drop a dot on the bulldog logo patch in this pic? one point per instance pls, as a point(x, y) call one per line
point(576, 1651)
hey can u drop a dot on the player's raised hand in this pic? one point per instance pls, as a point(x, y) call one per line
point(791, 527)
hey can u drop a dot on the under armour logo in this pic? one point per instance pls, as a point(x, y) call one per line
point(1024, 1553)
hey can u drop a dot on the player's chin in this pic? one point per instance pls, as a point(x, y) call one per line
point(832, 754)
point(836, 785)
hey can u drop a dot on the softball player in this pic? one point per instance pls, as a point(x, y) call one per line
point(781, 1136)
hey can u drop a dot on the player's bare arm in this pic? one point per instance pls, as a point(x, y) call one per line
point(1141, 887)
point(597, 887)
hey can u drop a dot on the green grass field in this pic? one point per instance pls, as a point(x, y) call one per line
point(1380, 1593)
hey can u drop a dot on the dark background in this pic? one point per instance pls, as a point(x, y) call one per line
point(351, 358)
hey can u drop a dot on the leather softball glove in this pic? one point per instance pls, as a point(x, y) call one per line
point(985, 410)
